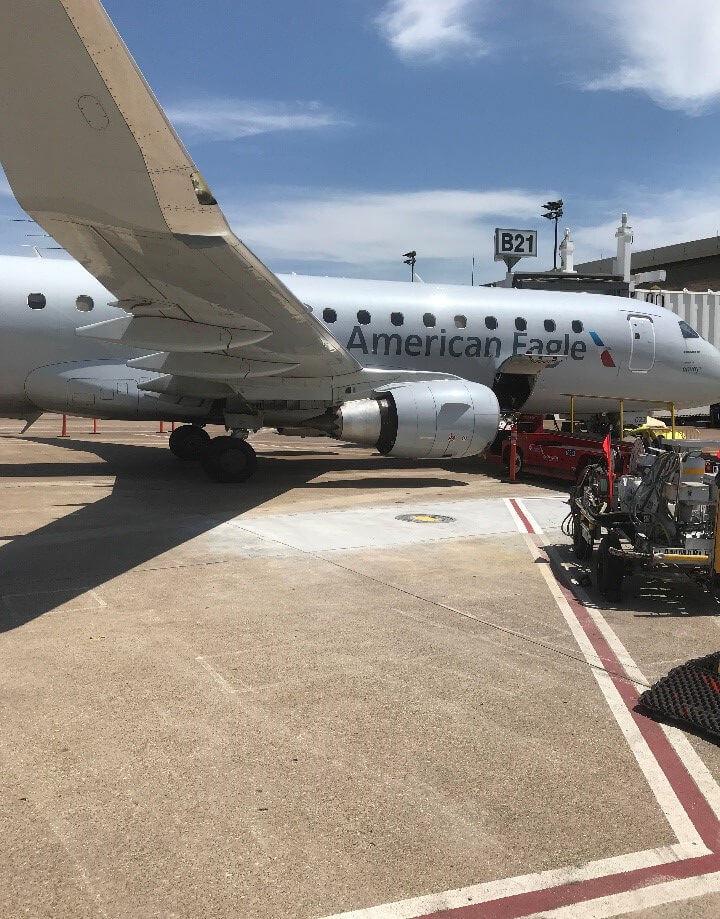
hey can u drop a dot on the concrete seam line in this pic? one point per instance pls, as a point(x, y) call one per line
point(623, 901)
point(658, 782)
point(437, 603)
point(418, 907)
point(697, 768)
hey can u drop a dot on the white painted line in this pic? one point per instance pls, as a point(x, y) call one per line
point(695, 766)
point(521, 528)
point(620, 904)
point(685, 750)
point(525, 883)
point(219, 678)
point(530, 519)
point(690, 843)
point(659, 784)
point(678, 739)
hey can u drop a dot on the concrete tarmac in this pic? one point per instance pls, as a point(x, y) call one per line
point(280, 700)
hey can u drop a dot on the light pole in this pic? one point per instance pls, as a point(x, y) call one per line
point(409, 259)
point(554, 211)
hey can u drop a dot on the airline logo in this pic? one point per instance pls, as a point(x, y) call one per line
point(605, 355)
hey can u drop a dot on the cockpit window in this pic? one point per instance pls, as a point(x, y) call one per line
point(687, 330)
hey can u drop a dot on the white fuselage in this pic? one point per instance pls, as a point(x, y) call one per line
point(608, 348)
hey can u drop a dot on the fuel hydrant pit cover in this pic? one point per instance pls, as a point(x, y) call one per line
point(689, 696)
point(425, 518)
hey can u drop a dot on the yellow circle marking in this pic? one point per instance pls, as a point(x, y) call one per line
point(425, 518)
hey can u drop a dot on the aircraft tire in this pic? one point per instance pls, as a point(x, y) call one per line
point(582, 548)
point(229, 459)
point(609, 569)
point(189, 442)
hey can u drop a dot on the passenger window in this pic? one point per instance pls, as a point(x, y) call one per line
point(491, 322)
point(461, 322)
point(687, 330)
point(549, 325)
point(84, 303)
point(397, 318)
point(37, 301)
point(329, 315)
point(363, 317)
point(520, 324)
point(429, 320)
point(577, 326)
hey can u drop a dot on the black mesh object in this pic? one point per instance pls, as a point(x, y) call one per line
point(688, 696)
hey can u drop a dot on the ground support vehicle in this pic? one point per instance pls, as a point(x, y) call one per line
point(554, 453)
point(662, 517)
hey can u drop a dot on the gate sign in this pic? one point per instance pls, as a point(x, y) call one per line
point(515, 244)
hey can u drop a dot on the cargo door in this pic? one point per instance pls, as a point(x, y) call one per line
point(642, 343)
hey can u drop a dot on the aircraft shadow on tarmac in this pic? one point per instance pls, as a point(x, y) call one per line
point(646, 597)
point(155, 505)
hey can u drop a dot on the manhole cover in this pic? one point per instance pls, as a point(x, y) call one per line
point(425, 518)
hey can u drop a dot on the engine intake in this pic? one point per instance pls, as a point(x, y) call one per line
point(432, 419)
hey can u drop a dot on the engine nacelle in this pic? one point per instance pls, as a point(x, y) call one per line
point(434, 418)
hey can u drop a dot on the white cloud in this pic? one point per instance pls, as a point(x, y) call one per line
point(233, 119)
point(366, 233)
point(432, 29)
point(664, 48)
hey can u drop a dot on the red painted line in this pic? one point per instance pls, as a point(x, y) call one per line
point(684, 786)
point(521, 515)
point(536, 901)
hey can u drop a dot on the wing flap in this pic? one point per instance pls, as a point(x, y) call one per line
point(171, 334)
point(92, 158)
point(210, 366)
point(170, 385)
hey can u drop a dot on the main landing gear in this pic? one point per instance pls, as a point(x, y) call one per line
point(224, 459)
point(229, 459)
point(189, 442)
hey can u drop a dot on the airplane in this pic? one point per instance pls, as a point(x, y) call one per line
point(167, 315)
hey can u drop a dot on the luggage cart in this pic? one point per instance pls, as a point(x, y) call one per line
point(663, 516)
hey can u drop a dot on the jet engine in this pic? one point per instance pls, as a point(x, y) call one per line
point(434, 418)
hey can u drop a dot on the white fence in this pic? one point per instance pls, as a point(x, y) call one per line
point(700, 310)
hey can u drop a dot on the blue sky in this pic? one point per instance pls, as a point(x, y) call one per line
point(337, 134)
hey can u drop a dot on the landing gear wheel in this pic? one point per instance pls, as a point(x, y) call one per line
point(229, 459)
point(582, 547)
point(189, 442)
point(610, 569)
point(518, 461)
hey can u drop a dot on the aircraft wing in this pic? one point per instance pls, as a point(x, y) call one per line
point(91, 156)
